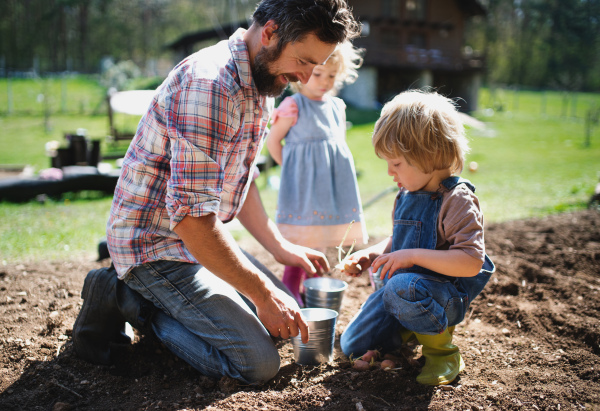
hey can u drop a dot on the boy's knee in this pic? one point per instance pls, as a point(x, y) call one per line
point(345, 344)
point(352, 344)
point(405, 288)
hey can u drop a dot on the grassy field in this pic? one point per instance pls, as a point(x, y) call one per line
point(531, 162)
point(35, 111)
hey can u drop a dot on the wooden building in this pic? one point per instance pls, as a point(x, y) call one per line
point(414, 44)
point(408, 44)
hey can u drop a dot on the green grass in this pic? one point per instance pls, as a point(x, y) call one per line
point(70, 94)
point(52, 231)
point(531, 157)
point(23, 138)
point(28, 121)
point(532, 168)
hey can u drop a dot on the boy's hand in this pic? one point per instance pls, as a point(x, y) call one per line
point(391, 262)
point(355, 264)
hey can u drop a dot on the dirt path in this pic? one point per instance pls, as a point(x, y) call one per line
point(532, 341)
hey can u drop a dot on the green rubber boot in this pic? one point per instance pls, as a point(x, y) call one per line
point(442, 358)
point(407, 336)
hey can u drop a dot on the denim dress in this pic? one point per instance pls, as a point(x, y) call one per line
point(318, 178)
point(415, 299)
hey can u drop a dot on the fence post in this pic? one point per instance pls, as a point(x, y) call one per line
point(10, 95)
point(565, 104)
point(592, 118)
point(543, 110)
point(46, 105)
point(63, 94)
point(588, 128)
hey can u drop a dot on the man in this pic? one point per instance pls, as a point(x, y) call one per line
point(187, 171)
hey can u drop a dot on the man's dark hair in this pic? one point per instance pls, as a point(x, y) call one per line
point(330, 20)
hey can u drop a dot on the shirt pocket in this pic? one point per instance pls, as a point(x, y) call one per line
point(407, 234)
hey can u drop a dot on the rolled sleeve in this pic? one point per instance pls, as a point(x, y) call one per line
point(192, 155)
point(200, 132)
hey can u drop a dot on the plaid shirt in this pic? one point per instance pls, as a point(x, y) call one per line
point(192, 154)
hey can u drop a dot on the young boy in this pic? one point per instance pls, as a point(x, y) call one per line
point(434, 264)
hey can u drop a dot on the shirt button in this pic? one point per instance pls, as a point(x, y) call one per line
point(256, 111)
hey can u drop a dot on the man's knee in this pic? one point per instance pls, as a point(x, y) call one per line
point(263, 367)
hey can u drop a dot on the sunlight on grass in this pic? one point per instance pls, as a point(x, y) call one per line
point(52, 231)
point(531, 162)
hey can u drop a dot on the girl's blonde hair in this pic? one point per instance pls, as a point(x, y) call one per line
point(349, 59)
point(425, 128)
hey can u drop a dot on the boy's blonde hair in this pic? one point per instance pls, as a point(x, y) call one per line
point(423, 127)
point(348, 58)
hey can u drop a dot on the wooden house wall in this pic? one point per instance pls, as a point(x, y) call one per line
point(408, 52)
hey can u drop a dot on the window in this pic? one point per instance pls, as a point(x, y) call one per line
point(416, 9)
point(417, 40)
point(390, 8)
point(390, 36)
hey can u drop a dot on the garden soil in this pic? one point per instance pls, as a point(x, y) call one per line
point(530, 342)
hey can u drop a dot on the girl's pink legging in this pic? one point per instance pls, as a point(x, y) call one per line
point(293, 277)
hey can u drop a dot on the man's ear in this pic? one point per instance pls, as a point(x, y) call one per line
point(267, 33)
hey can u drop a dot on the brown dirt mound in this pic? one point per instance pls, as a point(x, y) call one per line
point(531, 341)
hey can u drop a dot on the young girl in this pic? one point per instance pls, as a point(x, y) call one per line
point(318, 195)
point(434, 264)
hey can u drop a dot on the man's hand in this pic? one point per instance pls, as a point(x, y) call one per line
point(254, 218)
point(281, 315)
point(312, 261)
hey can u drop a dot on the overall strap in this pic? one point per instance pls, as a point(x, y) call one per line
point(453, 181)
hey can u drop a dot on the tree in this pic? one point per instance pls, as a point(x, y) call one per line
point(541, 43)
point(78, 34)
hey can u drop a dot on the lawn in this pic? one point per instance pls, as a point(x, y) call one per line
point(530, 163)
point(531, 156)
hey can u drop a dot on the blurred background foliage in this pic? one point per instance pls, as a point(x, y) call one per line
point(531, 43)
point(79, 35)
point(540, 43)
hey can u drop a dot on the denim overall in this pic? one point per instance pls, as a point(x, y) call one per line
point(415, 299)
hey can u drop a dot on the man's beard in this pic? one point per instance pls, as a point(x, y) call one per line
point(266, 82)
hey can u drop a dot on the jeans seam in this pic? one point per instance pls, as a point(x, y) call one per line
point(432, 318)
point(190, 358)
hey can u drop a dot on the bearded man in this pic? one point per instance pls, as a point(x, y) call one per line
point(176, 269)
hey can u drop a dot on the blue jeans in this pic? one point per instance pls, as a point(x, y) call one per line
point(205, 322)
point(422, 303)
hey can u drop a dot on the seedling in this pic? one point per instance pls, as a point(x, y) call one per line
point(340, 248)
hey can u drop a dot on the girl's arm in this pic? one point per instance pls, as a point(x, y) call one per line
point(344, 119)
point(278, 132)
point(454, 263)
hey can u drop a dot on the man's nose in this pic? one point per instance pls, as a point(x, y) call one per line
point(304, 75)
